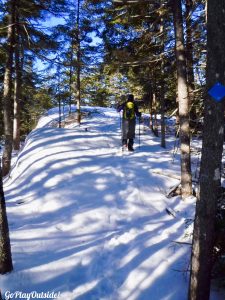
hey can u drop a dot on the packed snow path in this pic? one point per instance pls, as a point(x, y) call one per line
point(90, 222)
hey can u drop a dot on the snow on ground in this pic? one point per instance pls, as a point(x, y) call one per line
point(90, 223)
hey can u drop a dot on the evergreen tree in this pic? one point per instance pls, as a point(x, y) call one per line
point(17, 82)
point(212, 149)
point(25, 42)
point(7, 89)
point(183, 99)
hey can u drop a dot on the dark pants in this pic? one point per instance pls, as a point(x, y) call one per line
point(128, 132)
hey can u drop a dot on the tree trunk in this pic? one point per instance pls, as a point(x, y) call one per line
point(186, 180)
point(78, 64)
point(151, 110)
point(7, 93)
point(5, 249)
point(190, 61)
point(70, 78)
point(162, 91)
point(162, 106)
point(212, 149)
point(189, 49)
point(17, 86)
point(71, 71)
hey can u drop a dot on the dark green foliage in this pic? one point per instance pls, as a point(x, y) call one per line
point(35, 43)
point(117, 37)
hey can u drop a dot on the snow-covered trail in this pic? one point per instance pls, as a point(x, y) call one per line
point(90, 222)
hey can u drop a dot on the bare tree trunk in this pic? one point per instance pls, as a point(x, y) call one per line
point(189, 49)
point(5, 249)
point(154, 115)
point(154, 107)
point(186, 180)
point(78, 63)
point(7, 93)
point(162, 91)
point(212, 149)
point(71, 71)
point(163, 129)
point(151, 111)
point(17, 86)
point(70, 78)
point(190, 61)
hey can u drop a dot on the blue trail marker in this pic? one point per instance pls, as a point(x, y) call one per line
point(217, 92)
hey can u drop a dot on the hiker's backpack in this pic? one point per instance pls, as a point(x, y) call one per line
point(129, 112)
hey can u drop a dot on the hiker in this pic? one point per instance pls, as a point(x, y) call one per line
point(130, 111)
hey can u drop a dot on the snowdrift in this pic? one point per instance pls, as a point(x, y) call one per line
point(88, 222)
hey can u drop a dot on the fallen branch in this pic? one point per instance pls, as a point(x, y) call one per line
point(171, 212)
point(180, 242)
point(166, 174)
point(174, 191)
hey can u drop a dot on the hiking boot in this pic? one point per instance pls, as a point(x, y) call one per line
point(130, 148)
point(124, 147)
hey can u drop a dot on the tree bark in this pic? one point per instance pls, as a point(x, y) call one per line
point(7, 93)
point(5, 249)
point(212, 149)
point(78, 64)
point(162, 91)
point(17, 85)
point(70, 76)
point(190, 61)
point(189, 49)
point(186, 180)
point(150, 109)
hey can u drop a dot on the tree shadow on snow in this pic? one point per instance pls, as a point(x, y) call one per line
point(120, 233)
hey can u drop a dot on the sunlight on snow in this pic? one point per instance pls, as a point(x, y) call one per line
point(90, 221)
point(139, 279)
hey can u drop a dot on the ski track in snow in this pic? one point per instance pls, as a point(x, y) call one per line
point(89, 221)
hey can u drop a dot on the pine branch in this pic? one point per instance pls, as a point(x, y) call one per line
point(133, 1)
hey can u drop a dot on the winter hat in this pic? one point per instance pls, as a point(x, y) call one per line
point(130, 97)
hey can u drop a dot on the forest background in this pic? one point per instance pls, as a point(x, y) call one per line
point(162, 51)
